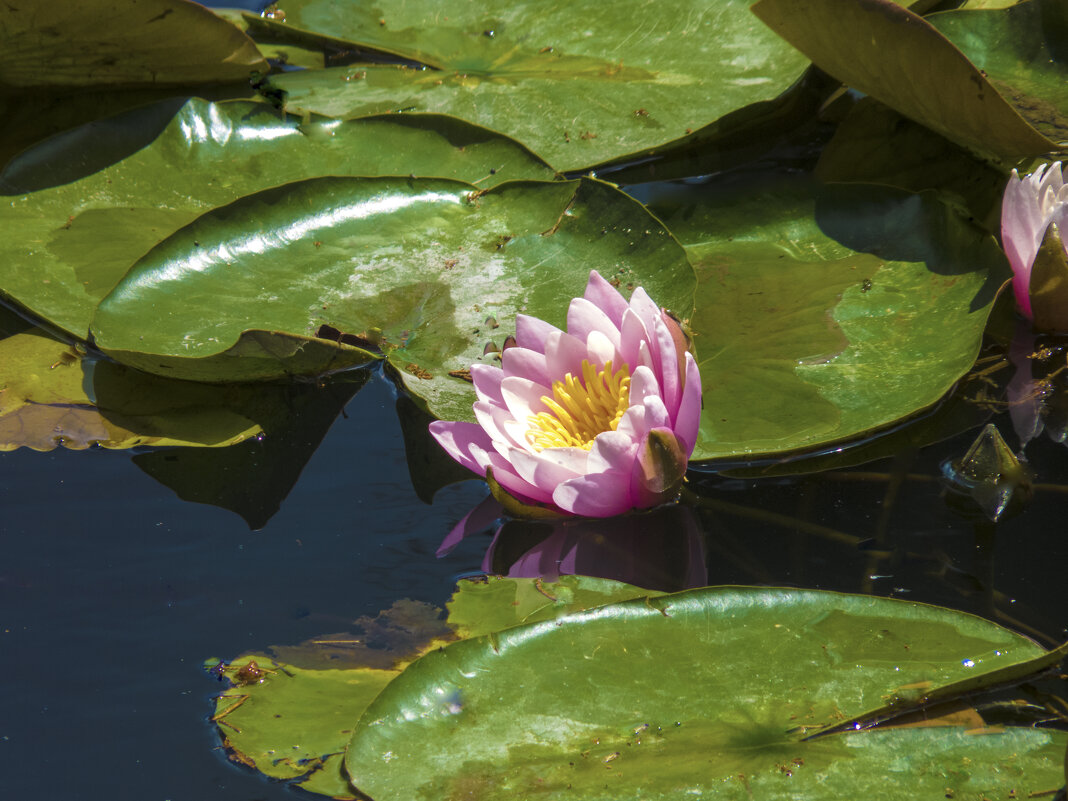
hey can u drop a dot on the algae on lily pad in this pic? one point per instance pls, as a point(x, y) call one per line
point(51, 394)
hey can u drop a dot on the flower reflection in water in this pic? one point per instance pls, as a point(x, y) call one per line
point(660, 549)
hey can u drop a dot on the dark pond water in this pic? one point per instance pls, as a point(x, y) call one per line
point(113, 591)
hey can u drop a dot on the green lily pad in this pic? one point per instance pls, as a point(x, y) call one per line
point(292, 723)
point(50, 395)
point(497, 603)
point(70, 244)
point(426, 268)
point(825, 314)
point(706, 693)
point(897, 57)
point(876, 145)
point(580, 83)
point(121, 44)
point(1023, 52)
point(293, 720)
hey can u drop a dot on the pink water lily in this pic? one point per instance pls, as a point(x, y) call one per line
point(593, 421)
point(1029, 206)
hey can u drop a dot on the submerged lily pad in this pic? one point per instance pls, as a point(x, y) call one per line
point(825, 314)
point(580, 83)
point(427, 269)
point(703, 693)
point(70, 243)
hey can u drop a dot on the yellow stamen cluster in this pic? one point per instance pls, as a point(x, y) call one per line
point(581, 408)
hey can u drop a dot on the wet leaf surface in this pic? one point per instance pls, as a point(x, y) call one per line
point(1022, 50)
point(418, 265)
point(78, 239)
point(703, 692)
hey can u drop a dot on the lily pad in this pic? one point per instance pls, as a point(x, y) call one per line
point(1023, 52)
point(425, 268)
point(121, 44)
point(580, 83)
point(51, 395)
point(496, 603)
point(291, 715)
point(70, 244)
point(825, 314)
point(703, 693)
point(876, 145)
point(890, 53)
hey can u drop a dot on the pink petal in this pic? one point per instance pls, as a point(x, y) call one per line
point(600, 351)
point(523, 397)
point(505, 475)
point(669, 363)
point(649, 313)
point(583, 318)
point(595, 495)
point(1027, 208)
point(530, 332)
point(643, 384)
point(459, 440)
point(612, 451)
point(633, 424)
point(487, 381)
point(645, 357)
point(564, 354)
point(605, 297)
point(632, 334)
point(551, 467)
point(527, 364)
point(495, 421)
point(656, 414)
point(688, 420)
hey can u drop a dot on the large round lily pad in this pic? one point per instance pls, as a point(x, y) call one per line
point(707, 693)
point(432, 271)
point(578, 82)
point(824, 314)
point(69, 244)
